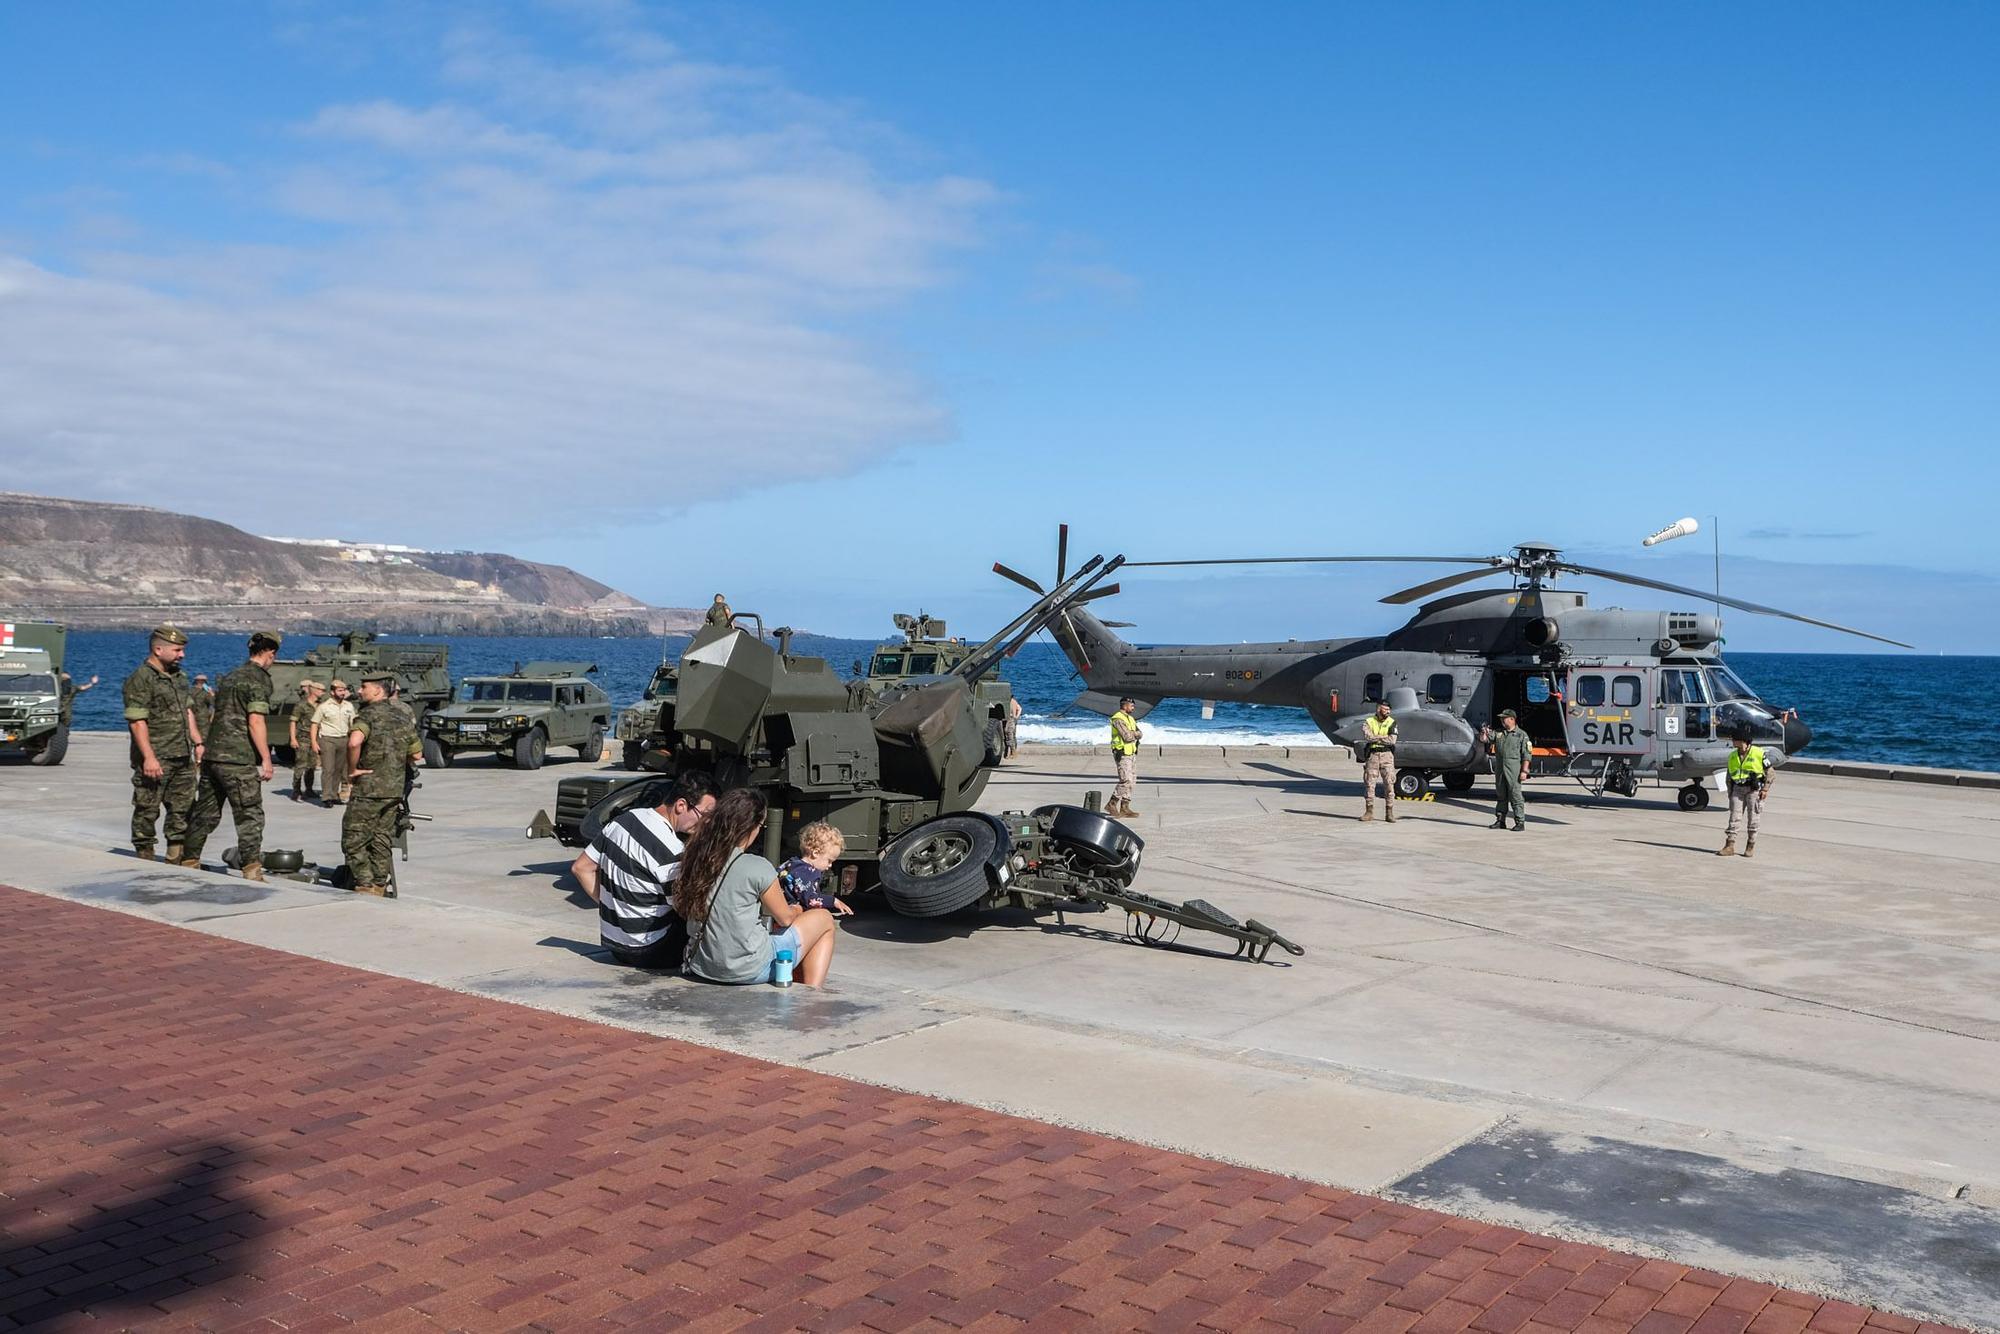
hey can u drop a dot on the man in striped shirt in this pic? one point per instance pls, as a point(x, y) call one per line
point(629, 870)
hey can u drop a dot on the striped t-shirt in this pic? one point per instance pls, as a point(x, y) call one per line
point(638, 855)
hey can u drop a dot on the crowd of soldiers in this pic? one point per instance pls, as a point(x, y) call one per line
point(195, 751)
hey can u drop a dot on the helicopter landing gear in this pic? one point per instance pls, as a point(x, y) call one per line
point(1694, 797)
point(1412, 783)
point(1458, 781)
point(1619, 778)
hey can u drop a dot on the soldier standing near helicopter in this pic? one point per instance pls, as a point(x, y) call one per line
point(1379, 763)
point(1749, 780)
point(1125, 752)
point(1512, 753)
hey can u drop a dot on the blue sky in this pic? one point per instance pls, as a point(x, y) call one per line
point(831, 306)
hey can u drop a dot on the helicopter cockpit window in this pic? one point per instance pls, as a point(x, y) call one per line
point(1624, 692)
point(887, 664)
point(1590, 691)
point(1371, 687)
point(1684, 690)
point(923, 664)
point(1727, 685)
point(1536, 690)
point(1438, 689)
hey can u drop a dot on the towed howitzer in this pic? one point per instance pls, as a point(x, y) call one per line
point(898, 770)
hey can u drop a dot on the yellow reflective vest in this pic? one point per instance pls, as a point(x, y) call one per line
point(1378, 731)
point(1119, 745)
point(1746, 766)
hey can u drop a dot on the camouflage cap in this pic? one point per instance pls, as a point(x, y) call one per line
point(1509, 713)
point(340, 682)
point(379, 678)
point(170, 634)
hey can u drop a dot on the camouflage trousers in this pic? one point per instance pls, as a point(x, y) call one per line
point(174, 790)
point(1379, 767)
point(240, 786)
point(1128, 778)
point(368, 838)
point(305, 765)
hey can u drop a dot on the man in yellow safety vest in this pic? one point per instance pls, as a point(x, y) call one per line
point(1378, 762)
point(1749, 781)
point(1125, 748)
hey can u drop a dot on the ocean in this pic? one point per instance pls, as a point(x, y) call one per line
point(1883, 708)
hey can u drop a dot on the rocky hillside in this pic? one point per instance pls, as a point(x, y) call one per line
point(117, 566)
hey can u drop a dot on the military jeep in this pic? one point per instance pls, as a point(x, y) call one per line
point(32, 721)
point(520, 715)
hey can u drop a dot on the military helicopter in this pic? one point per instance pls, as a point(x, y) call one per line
point(1608, 696)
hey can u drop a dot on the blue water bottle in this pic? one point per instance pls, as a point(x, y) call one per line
point(781, 969)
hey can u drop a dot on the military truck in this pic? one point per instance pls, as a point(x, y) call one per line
point(423, 674)
point(31, 703)
point(926, 652)
point(520, 715)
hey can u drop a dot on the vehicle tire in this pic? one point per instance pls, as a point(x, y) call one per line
point(531, 748)
point(996, 741)
point(609, 807)
point(633, 752)
point(1412, 783)
point(58, 747)
point(939, 867)
point(437, 755)
point(1458, 782)
point(593, 748)
point(1694, 797)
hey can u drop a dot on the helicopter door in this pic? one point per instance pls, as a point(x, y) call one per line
point(1607, 711)
point(1683, 709)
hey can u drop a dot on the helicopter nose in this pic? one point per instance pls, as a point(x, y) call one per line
point(1797, 735)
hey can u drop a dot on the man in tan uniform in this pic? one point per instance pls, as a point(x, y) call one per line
point(1125, 748)
point(1378, 762)
point(331, 721)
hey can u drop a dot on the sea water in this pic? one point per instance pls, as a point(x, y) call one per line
point(1883, 708)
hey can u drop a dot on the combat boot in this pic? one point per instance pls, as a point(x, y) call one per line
point(1389, 812)
point(1129, 811)
point(373, 891)
point(173, 857)
point(144, 852)
point(192, 863)
point(1728, 849)
point(1750, 846)
point(1367, 814)
point(254, 871)
point(1518, 827)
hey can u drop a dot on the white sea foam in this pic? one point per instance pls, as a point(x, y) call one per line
point(1094, 733)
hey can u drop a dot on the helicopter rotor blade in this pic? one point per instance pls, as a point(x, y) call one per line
point(1019, 578)
point(1436, 586)
point(1119, 625)
point(1062, 551)
point(1095, 594)
point(1494, 562)
point(1701, 596)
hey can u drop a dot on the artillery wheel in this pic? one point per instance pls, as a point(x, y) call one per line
point(437, 755)
point(592, 748)
point(996, 741)
point(1458, 782)
point(1412, 783)
point(57, 748)
point(633, 751)
point(939, 867)
point(609, 807)
point(1694, 797)
point(531, 748)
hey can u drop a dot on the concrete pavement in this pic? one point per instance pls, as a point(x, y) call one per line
point(1808, 1036)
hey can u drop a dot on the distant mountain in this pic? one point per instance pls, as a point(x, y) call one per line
point(126, 566)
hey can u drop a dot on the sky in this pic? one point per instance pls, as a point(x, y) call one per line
point(830, 306)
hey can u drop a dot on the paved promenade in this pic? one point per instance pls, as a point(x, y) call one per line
point(204, 1134)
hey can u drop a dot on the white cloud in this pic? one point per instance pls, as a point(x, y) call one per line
point(561, 293)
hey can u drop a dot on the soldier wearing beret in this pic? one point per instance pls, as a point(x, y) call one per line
point(166, 743)
point(238, 761)
point(382, 748)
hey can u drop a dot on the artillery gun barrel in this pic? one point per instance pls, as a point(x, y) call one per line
point(1038, 617)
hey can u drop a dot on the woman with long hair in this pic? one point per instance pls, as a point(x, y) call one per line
point(725, 891)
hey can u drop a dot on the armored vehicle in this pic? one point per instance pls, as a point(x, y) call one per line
point(639, 725)
point(927, 650)
point(423, 674)
point(520, 715)
point(31, 703)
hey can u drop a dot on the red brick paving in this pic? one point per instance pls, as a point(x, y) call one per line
point(199, 1134)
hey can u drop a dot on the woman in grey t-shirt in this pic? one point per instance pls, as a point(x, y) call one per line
point(725, 892)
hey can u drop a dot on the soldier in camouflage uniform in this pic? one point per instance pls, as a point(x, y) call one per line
point(166, 743)
point(305, 764)
point(395, 689)
point(238, 762)
point(718, 612)
point(382, 748)
point(203, 700)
